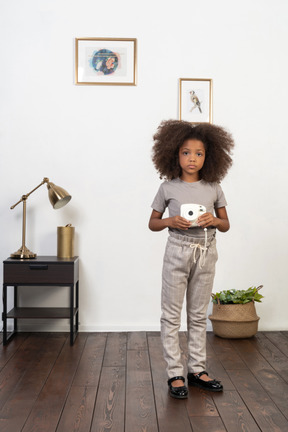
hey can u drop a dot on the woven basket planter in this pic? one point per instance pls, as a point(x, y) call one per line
point(234, 321)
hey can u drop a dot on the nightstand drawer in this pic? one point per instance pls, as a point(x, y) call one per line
point(33, 273)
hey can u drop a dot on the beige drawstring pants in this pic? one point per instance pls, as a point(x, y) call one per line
point(188, 268)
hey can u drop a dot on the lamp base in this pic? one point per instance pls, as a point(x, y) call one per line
point(23, 253)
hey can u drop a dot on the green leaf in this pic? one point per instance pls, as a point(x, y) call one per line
point(237, 296)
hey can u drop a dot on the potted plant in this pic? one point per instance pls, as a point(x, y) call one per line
point(234, 313)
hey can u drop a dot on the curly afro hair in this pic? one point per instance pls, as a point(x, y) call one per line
point(171, 135)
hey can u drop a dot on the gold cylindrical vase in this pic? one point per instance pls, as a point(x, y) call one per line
point(65, 241)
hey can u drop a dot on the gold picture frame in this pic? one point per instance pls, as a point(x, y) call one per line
point(105, 61)
point(195, 100)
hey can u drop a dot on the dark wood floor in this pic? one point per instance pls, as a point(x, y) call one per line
point(116, 382)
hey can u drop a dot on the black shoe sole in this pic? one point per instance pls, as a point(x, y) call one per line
point(203, 387)
point(178, 397)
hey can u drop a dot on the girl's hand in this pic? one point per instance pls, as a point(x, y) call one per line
point(179, 223)
point(206, 220)
point(156, 223)
point(221, 221)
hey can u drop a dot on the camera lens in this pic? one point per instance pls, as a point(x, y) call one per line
point(190, 213)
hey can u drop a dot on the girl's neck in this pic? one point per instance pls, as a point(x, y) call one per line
point(190, 179)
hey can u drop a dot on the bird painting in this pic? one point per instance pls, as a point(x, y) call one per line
point(195, 101)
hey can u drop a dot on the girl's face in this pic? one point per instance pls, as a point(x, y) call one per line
point(191, 159)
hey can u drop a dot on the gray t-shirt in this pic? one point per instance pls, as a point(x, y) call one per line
point(172, 194)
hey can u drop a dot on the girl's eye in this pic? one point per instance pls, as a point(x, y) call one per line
point(185, 153)
point(199, 154)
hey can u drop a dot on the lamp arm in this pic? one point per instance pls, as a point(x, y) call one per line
point(24, 197)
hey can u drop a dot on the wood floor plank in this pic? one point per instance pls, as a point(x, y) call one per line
point(207, 424)
point(274, 385)
point(172, 413)
point(90, 365)
point(279, 340)
point(16, 410)
point(27, 354)
point(272, 354)
point(47, 409)
point(140, 404)
point(137, 341)
point(267, 415)
point(227, 355)
point(234, 412)
point(8, 351)
point(115, 352)
point(109, 414)
point(200, 403)
point(79, 407)
point(78, 410)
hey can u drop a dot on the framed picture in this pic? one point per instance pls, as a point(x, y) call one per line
point(195, 100)
point(100, 61)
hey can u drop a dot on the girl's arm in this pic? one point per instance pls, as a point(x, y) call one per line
point(156, 223)
point(221, 221)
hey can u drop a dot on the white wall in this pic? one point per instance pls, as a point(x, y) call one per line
point(95, 141)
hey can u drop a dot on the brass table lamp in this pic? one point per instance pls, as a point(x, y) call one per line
point(58, 198)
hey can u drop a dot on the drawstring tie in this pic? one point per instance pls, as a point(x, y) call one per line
point(202, 250)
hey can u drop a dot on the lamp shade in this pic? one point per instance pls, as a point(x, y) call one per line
point(58, 196)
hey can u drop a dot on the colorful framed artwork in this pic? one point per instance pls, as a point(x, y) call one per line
point(100, 61)
point(195, 100)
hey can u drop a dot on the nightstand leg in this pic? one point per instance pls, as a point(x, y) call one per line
point(4, 314)
point(15, 306)
point(74, 328)
point(77, 306)
point(71, 314)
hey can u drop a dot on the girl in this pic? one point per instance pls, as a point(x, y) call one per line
point(193, 160)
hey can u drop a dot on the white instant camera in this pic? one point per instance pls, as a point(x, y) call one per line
point(192, 212)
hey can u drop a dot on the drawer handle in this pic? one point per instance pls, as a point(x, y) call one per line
point(38, 267)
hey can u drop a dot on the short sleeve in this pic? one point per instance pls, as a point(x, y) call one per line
point(159, 203)
point(221, 200)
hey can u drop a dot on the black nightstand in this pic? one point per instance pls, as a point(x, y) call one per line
point(41, 271)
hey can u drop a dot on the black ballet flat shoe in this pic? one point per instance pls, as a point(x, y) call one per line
point(177, 392)
point(212, 385)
